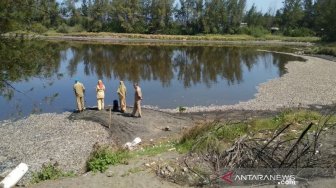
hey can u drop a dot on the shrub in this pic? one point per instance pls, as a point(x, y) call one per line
point(327, 51)
point(182, 109)
point(253, 31)
point(102, 157)
point(298, 32)
point(196, 131)
point(77, 28)
point(50, 172)
point(63, 28)
point(38, 28)
point(230, 132)
point(210, 135)
point(95, 26)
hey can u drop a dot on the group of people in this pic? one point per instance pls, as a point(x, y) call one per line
point(79, 90)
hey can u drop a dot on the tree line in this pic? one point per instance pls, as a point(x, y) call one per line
point(186, 17)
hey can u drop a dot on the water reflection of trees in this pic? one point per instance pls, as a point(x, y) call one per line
point(195, 65)
point(191, 65)
point(22, 60)
point(133, 63)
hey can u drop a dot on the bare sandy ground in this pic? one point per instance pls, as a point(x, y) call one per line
point(135, 174)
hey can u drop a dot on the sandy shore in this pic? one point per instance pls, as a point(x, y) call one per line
point(310, 83)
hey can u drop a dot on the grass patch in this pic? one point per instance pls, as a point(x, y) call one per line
point(185, 146)
point(196, 131)
point(154, 150)
point(102, 157)
point(291, 39)
point(216, 136)
point(323, 49)
point(50, 172)
point(231, 131)
point(265, 124)
point(211, 136)
point(295, 117)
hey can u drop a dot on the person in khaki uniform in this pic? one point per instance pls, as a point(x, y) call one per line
point(100, 89)
point(79, 90)
point(122, 96)
point(137, 100)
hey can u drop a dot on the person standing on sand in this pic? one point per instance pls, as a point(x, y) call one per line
point(100, 89)
point(137, 100)
point(79, 90)
point(122, 96)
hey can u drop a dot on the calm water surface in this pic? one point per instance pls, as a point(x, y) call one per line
point(170, 76)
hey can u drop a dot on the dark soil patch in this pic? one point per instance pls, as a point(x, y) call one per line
point(124, 128)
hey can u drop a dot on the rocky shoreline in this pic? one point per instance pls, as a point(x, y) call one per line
point(49, 138)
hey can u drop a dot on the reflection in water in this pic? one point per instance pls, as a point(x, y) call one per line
point(21, 61)
point(170, 76)
point(192, 65)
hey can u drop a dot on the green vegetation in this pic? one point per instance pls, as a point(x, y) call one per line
point(153, 150)
point(297, 18)
point(323, 49)
point(255, 31)
point(182, 109)
point(50, 172)
point(102, 157)
point(217, 135)
point(25, 59)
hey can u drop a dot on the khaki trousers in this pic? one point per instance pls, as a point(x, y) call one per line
point(137, 108)
point(80, 103)
point(100, 104)
point(122, 101)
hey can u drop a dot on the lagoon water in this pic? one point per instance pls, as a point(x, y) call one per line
point(170, 76)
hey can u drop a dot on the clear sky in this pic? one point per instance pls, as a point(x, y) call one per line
point(265, 5)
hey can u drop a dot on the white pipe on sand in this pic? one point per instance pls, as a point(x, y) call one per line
point(13, 177)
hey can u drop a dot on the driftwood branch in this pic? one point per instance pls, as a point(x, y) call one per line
point(296, 144)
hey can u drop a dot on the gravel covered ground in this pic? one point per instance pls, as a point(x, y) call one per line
point(48, 138)
point(310, 83)
point(68, 138)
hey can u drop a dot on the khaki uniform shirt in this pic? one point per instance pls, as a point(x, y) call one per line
point(100, 92)
point(79, 89)
point(138, 94)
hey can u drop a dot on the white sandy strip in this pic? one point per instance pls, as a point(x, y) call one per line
point(307, 83)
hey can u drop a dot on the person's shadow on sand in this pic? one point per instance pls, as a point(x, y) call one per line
point(125, 114)
point(119, 113)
